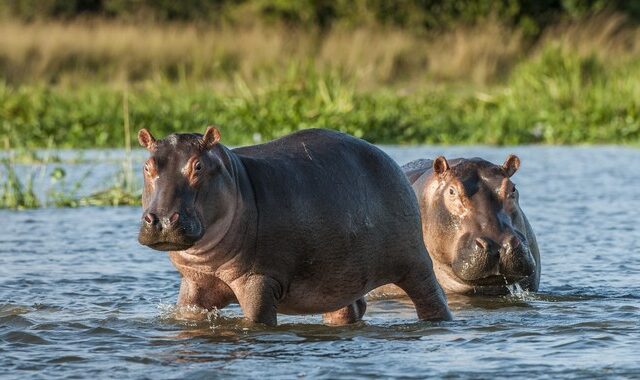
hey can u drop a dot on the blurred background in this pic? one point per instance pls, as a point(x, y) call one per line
point(78, 74)
point(402, 72)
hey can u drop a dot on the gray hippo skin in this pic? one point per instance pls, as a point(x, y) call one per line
point(474, 229)
point(305, 224)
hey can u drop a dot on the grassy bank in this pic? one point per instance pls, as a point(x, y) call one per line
point(93, 84)
point(64, 85)
point(556, 97)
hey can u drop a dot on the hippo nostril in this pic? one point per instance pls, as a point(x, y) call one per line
point(174, 217)
point(511, 243)
point(482, 245)
point(151, 218)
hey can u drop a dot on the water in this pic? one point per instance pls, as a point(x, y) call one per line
point(79, 297)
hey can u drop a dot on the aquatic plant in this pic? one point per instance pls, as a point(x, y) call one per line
point(17, 194)
point(13, 192)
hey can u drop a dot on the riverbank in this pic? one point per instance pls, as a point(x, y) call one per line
point(69, 85)
point(554, 98)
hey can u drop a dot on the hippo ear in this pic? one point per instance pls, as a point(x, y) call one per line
point(511, 165)
point(147, 140)
point(440, 165)
point(211, 137)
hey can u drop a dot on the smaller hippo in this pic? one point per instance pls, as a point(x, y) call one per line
point(474, 229)
point(305, 224)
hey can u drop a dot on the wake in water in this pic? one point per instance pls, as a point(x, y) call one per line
point(199, 320)
point(190, 313)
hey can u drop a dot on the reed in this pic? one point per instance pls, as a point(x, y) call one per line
point(17, 192)
point(14, 193)
point(373, 56)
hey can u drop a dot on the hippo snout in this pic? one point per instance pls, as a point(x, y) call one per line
point(152, 220)
point(483, 261)
point(173, 231)
point(516, 260)
point(475, 258)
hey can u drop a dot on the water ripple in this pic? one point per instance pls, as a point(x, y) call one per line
point(93, 303)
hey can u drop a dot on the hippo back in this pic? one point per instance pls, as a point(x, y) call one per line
point(338, 201)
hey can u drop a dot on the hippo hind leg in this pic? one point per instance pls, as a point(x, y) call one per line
point(425, 292)
point(347, 315)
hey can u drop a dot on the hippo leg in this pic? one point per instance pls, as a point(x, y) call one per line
point(208, 294)
point(347, 315)
point(426, 294)
point(259, 299)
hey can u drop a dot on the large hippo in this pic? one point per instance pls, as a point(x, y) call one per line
point(474, 229)
point(305, 224)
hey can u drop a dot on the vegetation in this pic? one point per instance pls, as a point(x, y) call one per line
point(531, 16)
point(555, 98)
point(16, 193)
point(65, 83)
point(89, 73)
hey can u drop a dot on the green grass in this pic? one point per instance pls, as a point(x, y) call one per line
point(14, 193)
point(554, 98)
point(18, 194)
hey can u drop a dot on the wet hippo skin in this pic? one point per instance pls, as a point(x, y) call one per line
point(308, 223)
point(475, 231)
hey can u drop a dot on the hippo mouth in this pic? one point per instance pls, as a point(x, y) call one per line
point(169, 246)
point(167, 243)
point(494, 280)
point(174, 238)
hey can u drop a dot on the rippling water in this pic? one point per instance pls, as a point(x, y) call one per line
point(80, 298)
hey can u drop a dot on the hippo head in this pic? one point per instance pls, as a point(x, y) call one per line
point(183, 171)
point(474, 224)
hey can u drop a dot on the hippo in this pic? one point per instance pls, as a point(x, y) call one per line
point(305, 224)
point(479, 239)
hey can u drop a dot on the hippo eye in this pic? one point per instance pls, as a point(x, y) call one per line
point(197, 166)
point(452, 191)
point(513, 189)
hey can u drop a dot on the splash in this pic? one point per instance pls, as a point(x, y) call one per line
point(197, 321)
point(187, 314)
point(516, 291)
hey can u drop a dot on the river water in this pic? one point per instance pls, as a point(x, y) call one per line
point(80, 298)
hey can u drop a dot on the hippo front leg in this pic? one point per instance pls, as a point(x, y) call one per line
point(208, 293)
point(347, 315)
point(258, 296)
